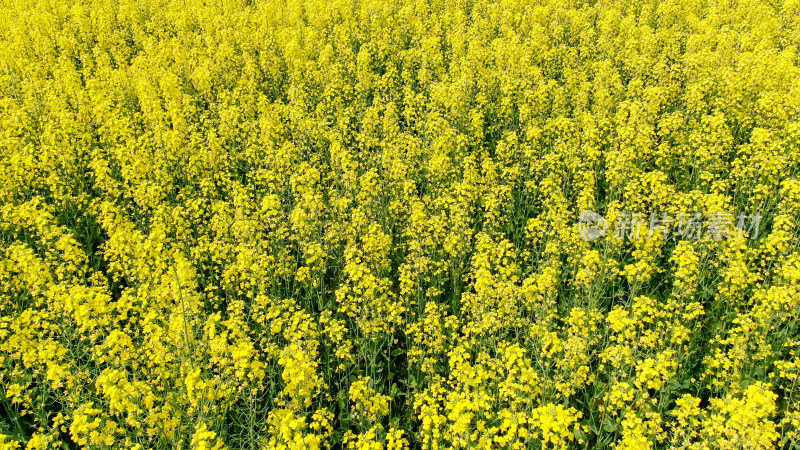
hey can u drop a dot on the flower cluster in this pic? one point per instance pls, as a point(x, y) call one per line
point(317, 224)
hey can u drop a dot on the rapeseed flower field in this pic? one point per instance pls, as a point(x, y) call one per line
point(385, 224)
